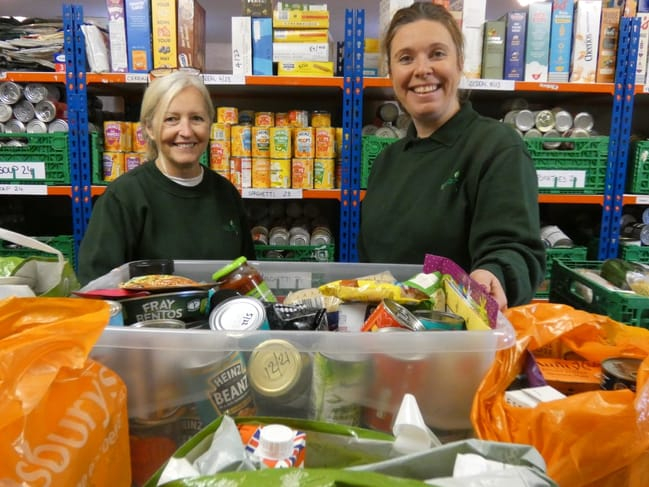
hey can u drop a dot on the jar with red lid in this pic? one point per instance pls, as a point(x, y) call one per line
point(244, 278)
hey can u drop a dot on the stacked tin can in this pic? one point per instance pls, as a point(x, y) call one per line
point(32, 108)
point(261, 149)
point(124, 148)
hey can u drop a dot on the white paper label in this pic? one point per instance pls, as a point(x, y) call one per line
point(22, 170)
point(23, 189)
point(561, 179)
point(487, 84)
point(272, 193)
point(224, 79)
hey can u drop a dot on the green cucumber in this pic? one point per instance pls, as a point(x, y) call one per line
point(615, 271)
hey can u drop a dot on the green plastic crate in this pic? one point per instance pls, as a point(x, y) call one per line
point(371, 147)
point(570, 287)
point(578, 166)
point(634, 253)
point(50, 149)
point(638, 170)
point(577, 253)
point(296, 253)
point(63, 243)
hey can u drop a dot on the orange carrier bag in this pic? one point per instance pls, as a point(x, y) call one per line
point(593, 438)
point(63, 417)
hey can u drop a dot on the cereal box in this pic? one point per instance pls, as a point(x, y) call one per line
point(585, 41)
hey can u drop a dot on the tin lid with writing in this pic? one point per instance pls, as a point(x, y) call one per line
point(275, 367)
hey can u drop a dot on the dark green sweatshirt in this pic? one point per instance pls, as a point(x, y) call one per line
point(468, 192)
point(145, 215)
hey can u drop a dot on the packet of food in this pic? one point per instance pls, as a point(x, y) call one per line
point(366, 290)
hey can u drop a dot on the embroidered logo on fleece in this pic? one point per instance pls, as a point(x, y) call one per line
point(231, 227)
point(452, 181)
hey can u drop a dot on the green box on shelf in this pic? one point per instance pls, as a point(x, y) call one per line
point(577, 166)
point(63, 243)
point(634, 253)
point(371, 147)
point(296, 253)
point(577, 253)
point(39, 159)
point(638, 168)
point(570, 286)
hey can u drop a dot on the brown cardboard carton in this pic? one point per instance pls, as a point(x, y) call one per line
point(191, 34)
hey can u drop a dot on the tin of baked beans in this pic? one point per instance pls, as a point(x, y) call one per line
point(133, 160)
point(323, 173)
point(260, 141)
point(280, 376)
point(298, 118)
point(260, 172)
point(280, 143)
point(35, 126)
point(264, 119)
point(10, 92)
point(13, 126)
point(325, 142)
point(220, 132)
point(23, 110)
point(280, 173)
point(302, 173)
point(117, 136)
point(524, 120)
point(235, 172)
point(220, 155)
point(303, 142)
point(390, 314)
point(320, 118)
point(338, 387)
point(48, 110)
point(241, 140)
point(5, 112)
point(229, 115)
point(113, 165)
point(281, 119)
point(138, 137)
point(58, 125)
point(239, 313)
point(620, 373)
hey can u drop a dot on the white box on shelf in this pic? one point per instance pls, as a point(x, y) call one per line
point(117, 35)
point(241, 46)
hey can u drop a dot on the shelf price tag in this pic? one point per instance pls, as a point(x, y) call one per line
point(549, 178)
point(136, 77)
point(487, 84)
point(23, 189)
point(224, 79)
point(272, 193)
point(22, 170)
point(642, 200)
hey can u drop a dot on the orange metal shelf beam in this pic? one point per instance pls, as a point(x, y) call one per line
point(322, 194)
point(596, 199)
point(33, 77)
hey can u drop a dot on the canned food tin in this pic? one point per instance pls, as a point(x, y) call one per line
point(280, 173)
point(259, 234)
point(340, 136)
point(323, 173)
point(298, 118)
point(161, 323)
point(260, 172)
point(338, 387)
point(138, 137)
point(36, 127)
point(133, 160)
point(35, 92)
point(325, 142)
point(544, 120)
point(620, 373)
point(14, 126)
point(246, 117)
point(57, 125)
point(302, 173)
point(229, 115)
point(524, 120)
point(390, 314)
point(532, 134)
point(439, 320)
point(552, 144)
point(5, 112)
point(23, 111)
point(117, 136)
point(388, 112)
point(298, 236)
point(279, 374)
point(278, 236)
point(320, 118)
point(220, 156)
point(236, 174)
point(260, 141)
point(48, 110)
point(510, 118)
point(220, 132)
point(281, 119)
point(113, 165)
point(241, 140)
point(583, 120)
point(321, 236)
point(240, 313)
point(553, 237)
point(369, 129)
point(264, 119)
point(280, 143)
point(10, 92)
point(303, 142)
point(562, 120)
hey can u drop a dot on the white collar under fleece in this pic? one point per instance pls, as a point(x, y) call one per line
point(190, 182)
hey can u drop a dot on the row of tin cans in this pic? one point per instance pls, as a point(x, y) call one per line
point(11, 92)
point(120, 136)
point(550, 123)
point(34, 126)
point(25, 111)
point(114, 164)
point(292, 118)
point(274, 142)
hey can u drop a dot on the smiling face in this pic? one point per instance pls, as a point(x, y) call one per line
point(425, 69)
point(182, 133)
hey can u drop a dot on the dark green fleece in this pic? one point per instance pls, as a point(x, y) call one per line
point(145, 215)
point(468, 192)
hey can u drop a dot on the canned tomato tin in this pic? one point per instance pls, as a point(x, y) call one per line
point(338, 387)
point(388, 112)
point(323, 173)
point(117, 136)
point(280, 173)
point(302, 173)
point(303, 142)
point(260, 172)
point(278, 236)
point(325, 142)
point(281, 119)
point(320, 118)
point(620, 373)
point(138, 137)
point(113, 165)
point(260, 141)
point(552, 144)
point(218, 385)
point(298, 236)
point(280, 143)
point(532, 134)
point(264, 119)
point(280, 376)
point(241, 140)
point(240, 313)
point(10, 92)
point(220, 132)
point(229, 115)
point(390, 314)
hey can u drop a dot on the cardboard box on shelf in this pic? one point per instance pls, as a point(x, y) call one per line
point(138, 36)
point(608, 38)
point(262, 46)
point(191, 34)
point(117, 35)
point(305, 68)
point(561, 41)
point(164, 34)
point(585, 41)
point(241, 46)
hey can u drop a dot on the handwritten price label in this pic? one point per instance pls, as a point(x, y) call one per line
point(22, 170)
point(561, 179)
